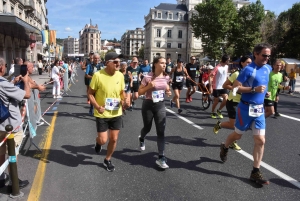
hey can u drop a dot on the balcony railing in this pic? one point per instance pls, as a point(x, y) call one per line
point(29, 5)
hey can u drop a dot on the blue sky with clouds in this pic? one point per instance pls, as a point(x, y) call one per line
point(114, 17)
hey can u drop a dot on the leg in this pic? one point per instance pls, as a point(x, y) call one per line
point(224, 96)
point(113, 138)
point(228, 124)
point(176, 97)
point(194, 90)
point(160, 123)
point(215, 103)
point(258, 151)
point(147, 115)
point(234, 136)
point(269, 110)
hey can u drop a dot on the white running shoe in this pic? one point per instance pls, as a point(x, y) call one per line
point(141, 144)
point(59, 96)
point(161, 162)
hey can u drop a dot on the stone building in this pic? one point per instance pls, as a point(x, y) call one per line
point(89, 39)
point(168, 32)
point(21, 23)
point(71, 46)
point(131, 42)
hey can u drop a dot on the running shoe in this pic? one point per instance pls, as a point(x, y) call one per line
point(130, 108)
point(59, 96)
point(187, 100)
point(161, 162)
point(223, 152)
point(54, 96)
point(190, 98)
point(98, 148)
point(171, 104)
point(179, 111)
point(220, 114)
point(141, 144)
point(133, 105)
point(235, 146)
point(277, 114)
point(109, 166)
point(258, 178)
point(213, 115)
point(217, 127)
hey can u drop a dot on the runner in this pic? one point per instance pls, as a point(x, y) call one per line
point(232, 101)
point(127, 79)
point(106, 93)
point(191, 68)
point(252, 82)
point(169, 66)
point(177, 83)
point(275, 79)
point(134, 70)
point(219, 77)
point(145, 68)
point(83, 67)
point(155, 86)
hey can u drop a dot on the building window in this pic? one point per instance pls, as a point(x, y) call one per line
point(179, 56)
point(159, 15)
point(168, 55)
point(180, 17)
point(158, 54)
point(92, 35)
point(92, 47)
point(170, 16)
point(157, 44)
point(169, 34)
point(158, 33)
point(179, 45)
point(91, 40)
point(96, 41)
point(168, 45)
point(180, 34)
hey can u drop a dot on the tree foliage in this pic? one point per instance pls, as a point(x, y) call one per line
point(141, 52)
point(213, 22)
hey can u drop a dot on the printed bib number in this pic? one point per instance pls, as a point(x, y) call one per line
point(256, 110)
point(134, 78)
point(192, 68)
point(158, 96)
point(145, 73)
point(169, 69)
point(112, 104)
point(179, 78)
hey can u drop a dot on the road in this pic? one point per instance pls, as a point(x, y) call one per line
point(69, 168)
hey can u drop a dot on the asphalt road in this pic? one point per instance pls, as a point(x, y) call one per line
point(73, 171)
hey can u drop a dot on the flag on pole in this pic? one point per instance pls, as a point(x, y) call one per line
point(53, 37)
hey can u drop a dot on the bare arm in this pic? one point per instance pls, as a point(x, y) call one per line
point(91, 96)
point(227, 85)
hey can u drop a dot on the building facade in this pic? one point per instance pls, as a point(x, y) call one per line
point(89, 39)
point(131, 42)
point(71, 46)
point(168, 32)
point(21, 23)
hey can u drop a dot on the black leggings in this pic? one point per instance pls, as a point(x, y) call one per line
point(157, 111)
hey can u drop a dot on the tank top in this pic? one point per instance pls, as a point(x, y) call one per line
point(178, 76)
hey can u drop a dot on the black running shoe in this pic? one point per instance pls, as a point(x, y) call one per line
point(223, 152)
point(109, 166)
point(179, 111)
point(98, 148)
point(258, 178)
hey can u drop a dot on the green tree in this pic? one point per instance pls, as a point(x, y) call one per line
point(141, 52)
point(213, 22)
point(111, 50)
point(246, 32)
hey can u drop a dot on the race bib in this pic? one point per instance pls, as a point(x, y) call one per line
point(192, 68)
point(179, 78)
point(134, 78)
point(95, 69)
point(256, 110)
point(112, 104)
point(126, 87)
point(145, 73)
point(158, 96)
point(169, 69)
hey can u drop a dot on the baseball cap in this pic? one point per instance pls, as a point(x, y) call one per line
point(112, 55)
point(179, 60)
point(210, 67)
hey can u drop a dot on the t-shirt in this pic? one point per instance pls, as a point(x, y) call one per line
point(145, 70)
point(65, 67)
point(107, 87)
point(292, 75)
point(232, 78)
point(135, 73)
point(161, 83)
point(54, 74)
point(274, 80)
point(254, 76)
point(220, 76)
point(169, 67)
point(11, 96)
point(192, 69)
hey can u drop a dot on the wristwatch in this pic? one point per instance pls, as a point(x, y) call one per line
point(253, 90)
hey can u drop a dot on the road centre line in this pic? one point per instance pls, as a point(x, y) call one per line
point(263, 164)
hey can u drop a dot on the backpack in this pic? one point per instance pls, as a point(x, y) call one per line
point(4, 112)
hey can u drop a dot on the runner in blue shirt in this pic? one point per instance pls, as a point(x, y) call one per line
point(252, 82)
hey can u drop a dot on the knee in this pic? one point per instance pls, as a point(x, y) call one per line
point(259, 141)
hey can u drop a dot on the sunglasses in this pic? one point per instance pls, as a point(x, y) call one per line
point(114, 61)
point(266, 55)
point(193, 59)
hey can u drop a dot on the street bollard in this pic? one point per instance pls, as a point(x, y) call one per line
point(12, 159)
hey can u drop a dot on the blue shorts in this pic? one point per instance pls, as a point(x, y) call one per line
point(243, 121)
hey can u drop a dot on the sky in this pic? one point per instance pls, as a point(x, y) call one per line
point(114, 17)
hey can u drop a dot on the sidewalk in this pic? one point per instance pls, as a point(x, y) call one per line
point(41, 79)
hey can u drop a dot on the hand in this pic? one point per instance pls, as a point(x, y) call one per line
point(100, 109)
point(268, 94)
point(17, 79)
point(260, 89)
point(41, 88)
point(151, 84)
point(168, 93)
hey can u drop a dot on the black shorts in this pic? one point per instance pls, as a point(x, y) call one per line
point(135, 87)
point(103, 124)
point(86, 81)
point(178, 86)
point(231, 108)
point(218, 92)
point(278, 91)
point(268, 103)
point(189, 83)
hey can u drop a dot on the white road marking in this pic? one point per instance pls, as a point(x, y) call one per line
point(185, 119)
point(289, 117)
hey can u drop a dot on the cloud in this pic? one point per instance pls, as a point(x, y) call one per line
point(68, 29)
